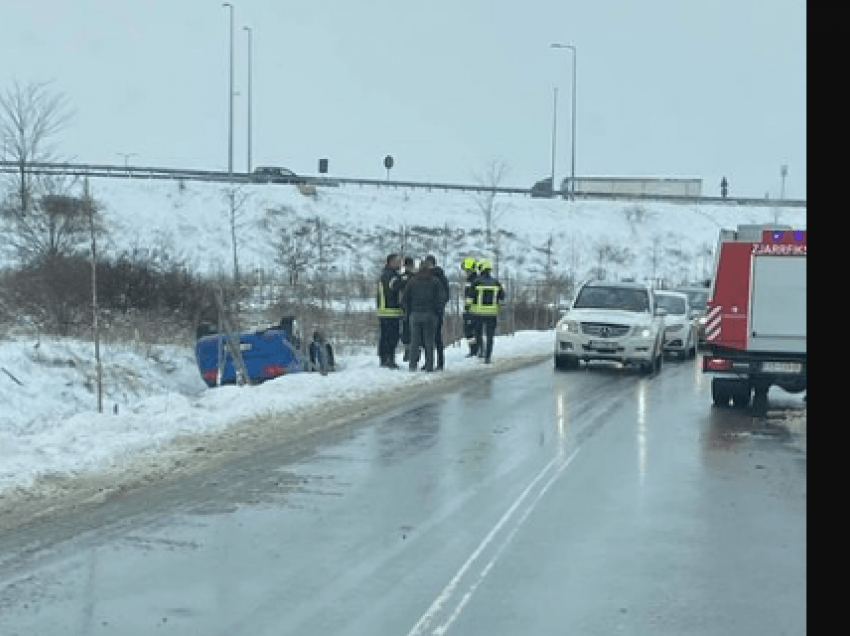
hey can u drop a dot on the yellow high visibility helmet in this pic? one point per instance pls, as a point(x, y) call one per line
point(484, 265)
point(467, 264)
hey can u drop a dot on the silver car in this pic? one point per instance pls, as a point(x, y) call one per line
point(680, 335)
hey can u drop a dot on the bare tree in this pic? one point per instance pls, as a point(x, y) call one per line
point(236, 198)
point(57, 226)
point(491, 209)
point(327, 252)
point(30, 117)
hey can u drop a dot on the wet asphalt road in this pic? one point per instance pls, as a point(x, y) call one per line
point(531, 502)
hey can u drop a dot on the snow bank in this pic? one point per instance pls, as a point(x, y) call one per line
point(49, 423)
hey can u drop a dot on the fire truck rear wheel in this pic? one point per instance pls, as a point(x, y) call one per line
point(760, 401)
point(741, 396)
point(721, 392)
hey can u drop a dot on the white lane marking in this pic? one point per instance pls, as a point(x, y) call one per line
point(442, 629)
point(445, 595)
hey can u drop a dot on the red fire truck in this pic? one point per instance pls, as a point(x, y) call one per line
point(756, 315)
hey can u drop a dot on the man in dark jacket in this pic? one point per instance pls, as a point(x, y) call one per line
point(423, 301)
point(389, 311)
point(440, 275)
point(406, 274)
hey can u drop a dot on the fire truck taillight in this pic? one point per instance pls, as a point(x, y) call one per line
point(716, 364)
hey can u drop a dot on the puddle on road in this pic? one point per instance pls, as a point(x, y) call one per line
point(728, 427)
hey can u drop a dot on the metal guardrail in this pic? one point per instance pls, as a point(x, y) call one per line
point(147, 172)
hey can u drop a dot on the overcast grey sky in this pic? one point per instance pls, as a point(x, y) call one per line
point(664, 87)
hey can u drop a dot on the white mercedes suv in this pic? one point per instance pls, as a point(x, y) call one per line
point(619, 322)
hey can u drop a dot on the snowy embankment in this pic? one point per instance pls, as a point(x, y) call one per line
point(50, 429)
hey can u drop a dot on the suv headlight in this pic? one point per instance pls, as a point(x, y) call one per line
point(642, 332)
point(570, 326)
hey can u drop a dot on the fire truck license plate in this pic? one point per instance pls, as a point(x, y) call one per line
point(782, 367)
point(603, 345)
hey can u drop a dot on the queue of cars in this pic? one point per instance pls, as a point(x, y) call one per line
point(630, 323)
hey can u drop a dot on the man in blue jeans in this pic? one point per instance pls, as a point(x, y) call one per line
point(423, 302)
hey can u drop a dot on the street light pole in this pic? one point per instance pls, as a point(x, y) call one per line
point(554, 129)
point(248, 30)
point(126, 156)
point(230, 101)
point(783, 171)
point(573, 162)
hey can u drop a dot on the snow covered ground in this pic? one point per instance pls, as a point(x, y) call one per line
point(49, 423)
point(190, 221)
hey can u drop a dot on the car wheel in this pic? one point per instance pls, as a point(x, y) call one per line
point(659, 359)
point(560, 362)
point(721, 392)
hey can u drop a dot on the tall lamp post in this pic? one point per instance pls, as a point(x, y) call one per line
point(126, 156)
point(573, 162)
point(230, 127)
point(783, 172)
point(248, 30)
point(554, 135)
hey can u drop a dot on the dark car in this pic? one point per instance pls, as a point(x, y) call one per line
point(543, 189)
point(276, 174)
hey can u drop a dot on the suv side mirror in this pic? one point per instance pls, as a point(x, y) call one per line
point(563, 307)
point(660, 311)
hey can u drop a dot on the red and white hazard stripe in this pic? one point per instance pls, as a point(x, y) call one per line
point(712, 323)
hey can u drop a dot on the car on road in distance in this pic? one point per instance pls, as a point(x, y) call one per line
point(697, 298)
point(276, 174)
point(613, 321)
point(543, 189)
point(679, 330)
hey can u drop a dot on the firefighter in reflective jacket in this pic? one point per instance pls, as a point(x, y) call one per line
point(389, 311)
point(467, 265)
point(487, 295)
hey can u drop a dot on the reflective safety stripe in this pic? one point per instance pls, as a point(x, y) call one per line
point(383, 311)
point(467, 301)
point(479, 307)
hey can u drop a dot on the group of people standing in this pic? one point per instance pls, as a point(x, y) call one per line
point(411, 305)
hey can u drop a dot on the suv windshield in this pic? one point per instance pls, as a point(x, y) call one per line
point(612, 298)
point(672, 304)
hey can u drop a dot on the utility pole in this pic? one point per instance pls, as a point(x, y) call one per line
point(230, 101)
point(554, 136)
point(783, 171)
point(90, 209)
point(572, 48)
point(250, 46)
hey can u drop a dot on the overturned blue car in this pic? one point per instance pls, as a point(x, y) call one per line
point(266, 353)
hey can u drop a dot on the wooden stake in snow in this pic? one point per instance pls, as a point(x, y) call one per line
point(11, 376)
